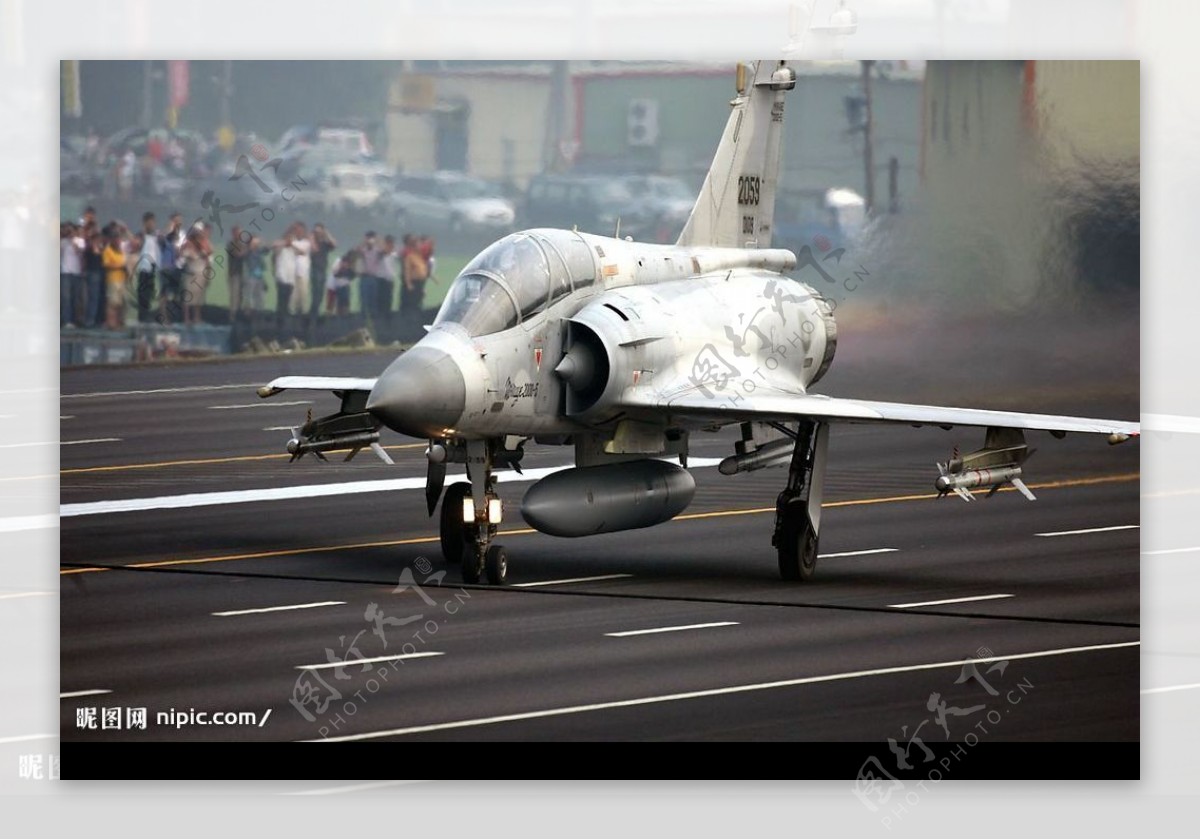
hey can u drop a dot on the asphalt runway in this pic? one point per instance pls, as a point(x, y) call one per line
point(185, 587)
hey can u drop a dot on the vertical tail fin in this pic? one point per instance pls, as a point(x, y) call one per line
point(736, 205)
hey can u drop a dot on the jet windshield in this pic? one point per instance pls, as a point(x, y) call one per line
point(507, 282)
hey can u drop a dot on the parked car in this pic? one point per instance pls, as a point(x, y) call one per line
point(449, 202)
point(349, 186)
point(592, 203)
point(345, 140)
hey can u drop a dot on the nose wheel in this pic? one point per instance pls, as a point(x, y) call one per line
point(451, 529)
point(470, 518)
point(491, 561)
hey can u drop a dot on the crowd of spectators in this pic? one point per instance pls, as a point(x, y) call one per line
point(163, 274)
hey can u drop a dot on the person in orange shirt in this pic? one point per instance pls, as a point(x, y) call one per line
point(115, 276)
point(415, 272)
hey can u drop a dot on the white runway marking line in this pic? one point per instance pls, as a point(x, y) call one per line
point(569, 580)
point(712, 692)
point(650, 630)
point(28, 523)
point(1169, 688)
point(181, 390)
point(861, 553)
point(57, 443)
point(88, 693)
point(24, 595)
point(278, 428)
point(66, 417)
point(1088, 531)
point(370, 660)
point(281, 609)
point(949, 601)
point(1172, 550)
point(304, 491)
point(263, 404)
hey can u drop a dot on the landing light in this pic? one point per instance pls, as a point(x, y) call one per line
point(468, 509)
point(494, 511)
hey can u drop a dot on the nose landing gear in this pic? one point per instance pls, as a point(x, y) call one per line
point(470, 518)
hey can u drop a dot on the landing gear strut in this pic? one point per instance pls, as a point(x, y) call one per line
point(471, 516)
point(798, 507)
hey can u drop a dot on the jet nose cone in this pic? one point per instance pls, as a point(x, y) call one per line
point(420, 394)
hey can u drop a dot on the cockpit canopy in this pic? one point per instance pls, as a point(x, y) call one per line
point(516, 278)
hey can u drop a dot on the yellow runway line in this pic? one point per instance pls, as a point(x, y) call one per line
point(285, 552)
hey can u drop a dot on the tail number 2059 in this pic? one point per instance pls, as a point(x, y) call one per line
point(749, 188)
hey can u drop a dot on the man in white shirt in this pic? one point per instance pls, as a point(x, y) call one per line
point(70, 276)
point(148, 261)
point(302, 245)
point(285, 275)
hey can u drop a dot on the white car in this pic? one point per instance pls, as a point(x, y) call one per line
point(350, 186)
point(450, 202)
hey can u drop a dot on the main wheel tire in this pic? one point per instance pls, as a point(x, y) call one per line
point(497, 565)
point(797, 547)
point(472, 564)
point(451, 531)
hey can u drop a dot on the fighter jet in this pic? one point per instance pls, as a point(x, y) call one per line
point(623, 351)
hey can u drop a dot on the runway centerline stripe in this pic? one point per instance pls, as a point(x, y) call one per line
point(191, 462)
point(712, 692)
point(860, 553)
point(1088, 531)
point(949, 601)
point(1166, 689)
point(65, 695)
point(570, 580)
point(181, 390)
point(257, 610)
point(302, 491)
point(260, 405)
point(348, 662)
point(275, 494)
point(651, 630)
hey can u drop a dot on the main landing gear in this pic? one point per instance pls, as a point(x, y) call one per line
point(470, 517)
point(798, 507)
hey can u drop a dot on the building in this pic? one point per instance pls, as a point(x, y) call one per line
point(508, 121)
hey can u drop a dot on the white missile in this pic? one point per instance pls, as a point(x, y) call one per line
point(961, 483)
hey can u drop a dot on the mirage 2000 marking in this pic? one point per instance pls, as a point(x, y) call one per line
point(623, 350)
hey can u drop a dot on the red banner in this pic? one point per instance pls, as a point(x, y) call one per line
point(177, 83)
